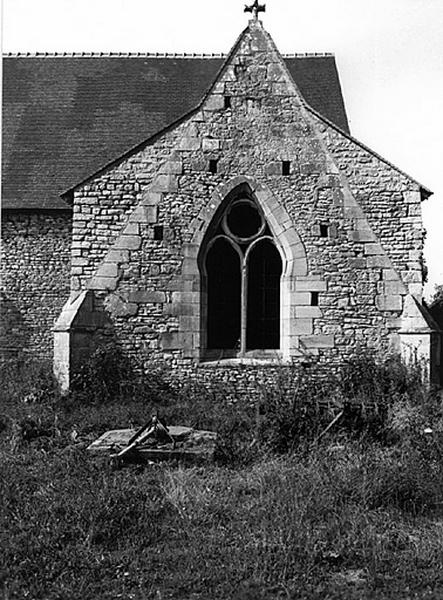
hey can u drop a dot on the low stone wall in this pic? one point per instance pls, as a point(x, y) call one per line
point(34, 280)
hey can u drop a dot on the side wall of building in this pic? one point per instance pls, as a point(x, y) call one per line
point(35, 268)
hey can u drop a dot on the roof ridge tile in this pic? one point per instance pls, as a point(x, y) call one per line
point(114, 55)
point(111, 54)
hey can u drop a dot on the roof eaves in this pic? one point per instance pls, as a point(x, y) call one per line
point(426, 192)
point(68, 194)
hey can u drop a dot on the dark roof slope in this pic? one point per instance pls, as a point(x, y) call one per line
point(65, 117)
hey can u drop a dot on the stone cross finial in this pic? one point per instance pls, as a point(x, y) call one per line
point(255, 9)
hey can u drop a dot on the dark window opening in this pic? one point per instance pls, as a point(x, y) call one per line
point(227, 101)
point(314, 298)
point(244, 220)
point(263, 297)
point(213, 165)
point(324, 230)
point(158, 232)
point(224, 296)
point(286, 167)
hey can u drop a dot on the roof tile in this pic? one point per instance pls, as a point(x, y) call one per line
point(65, 117)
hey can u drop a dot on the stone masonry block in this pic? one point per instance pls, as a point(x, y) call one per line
point(317, 341)
point(107, 269)
point(192, 352)
point(165, 183)
point(352, 212)
point(310, 285)
point(389, 288)
point(79, 261)
point(390, 275)
point(411, 197)
point(152, 198)
point(190, 250)
point(391, 302)
point(302, 326)
point(362, 235)
point(214, 102)
point(117, 256)
point(379, 261)
point(147, 296)
point(180, 309)
point(373, 249)
point(189, 323)
point(307, 312)
point(128, 242)
point(189, 144)
point(186, 340)
point(302, 298)
point(103, 283)
point(186, 297)
point(132, 229)
point(144, 214)
point(190, 284)
point(189, 266)
point(210, 145)
point(170, 341)
point(151, 214)
point(172, 167)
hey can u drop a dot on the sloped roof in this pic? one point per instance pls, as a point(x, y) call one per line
point(65, 117)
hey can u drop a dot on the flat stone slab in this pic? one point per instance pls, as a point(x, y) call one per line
point(191, 444)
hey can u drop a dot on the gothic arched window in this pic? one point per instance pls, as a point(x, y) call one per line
point(241, 272)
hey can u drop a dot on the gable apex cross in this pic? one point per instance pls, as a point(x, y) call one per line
point(255, 9)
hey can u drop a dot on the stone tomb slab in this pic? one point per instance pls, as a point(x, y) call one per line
point(191, 445)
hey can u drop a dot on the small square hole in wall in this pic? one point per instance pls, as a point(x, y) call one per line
point(213, 165)
point(314, 298)
point(324, 230)
point(158, 232)
point(228, 102)
point(286, 167)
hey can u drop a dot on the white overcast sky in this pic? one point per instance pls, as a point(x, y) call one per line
point(389, 55)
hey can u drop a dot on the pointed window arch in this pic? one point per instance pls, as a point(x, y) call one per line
point(241, 270)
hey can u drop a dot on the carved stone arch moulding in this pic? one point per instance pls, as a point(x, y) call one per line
point(287, 239)
point(296, 313)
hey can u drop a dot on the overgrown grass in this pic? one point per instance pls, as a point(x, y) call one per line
point(281, 514)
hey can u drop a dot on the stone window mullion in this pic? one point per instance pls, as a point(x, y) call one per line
point(244, 306)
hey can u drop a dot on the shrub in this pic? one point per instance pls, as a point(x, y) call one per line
point(370, 388)
point(105, 376)
point(295, 407)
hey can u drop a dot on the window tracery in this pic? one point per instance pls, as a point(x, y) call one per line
point(242, 270)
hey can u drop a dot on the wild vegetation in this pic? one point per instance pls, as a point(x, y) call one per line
point(284, 512)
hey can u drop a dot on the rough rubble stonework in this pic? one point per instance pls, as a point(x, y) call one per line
point(149, 291)
point(35, 280)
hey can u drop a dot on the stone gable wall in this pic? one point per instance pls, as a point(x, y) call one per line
point(34, 280)
point(150, 287)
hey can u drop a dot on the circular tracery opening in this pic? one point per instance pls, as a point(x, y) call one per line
point(243, 221)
